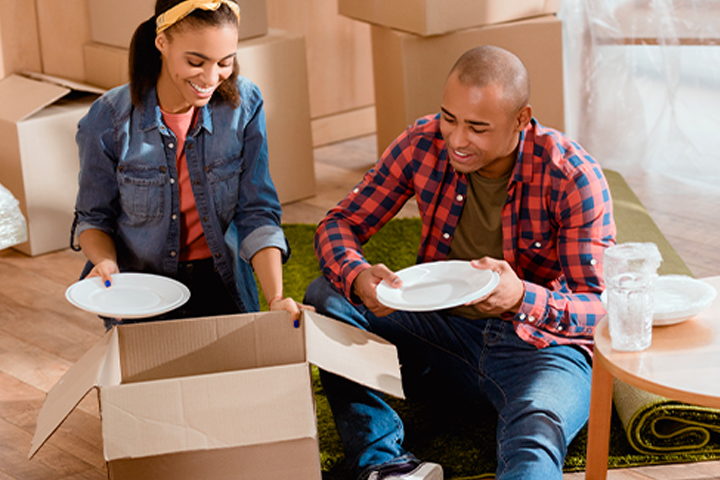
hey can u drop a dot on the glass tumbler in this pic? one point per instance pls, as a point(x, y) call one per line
point(630, 271)
point(630, 311)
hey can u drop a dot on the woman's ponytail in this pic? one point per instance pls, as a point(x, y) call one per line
point(145, 63)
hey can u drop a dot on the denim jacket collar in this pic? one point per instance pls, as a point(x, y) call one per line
point(151, 115)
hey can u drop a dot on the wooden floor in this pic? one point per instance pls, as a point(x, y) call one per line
point(42, 335)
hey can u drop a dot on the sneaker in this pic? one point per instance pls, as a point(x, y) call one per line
point(409, 471)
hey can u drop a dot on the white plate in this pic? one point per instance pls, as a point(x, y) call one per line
point(437, 285)
point(677, 298)
point(132, 295)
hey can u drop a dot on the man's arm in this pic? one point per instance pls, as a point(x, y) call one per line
point(372, 203)
point(570, 306)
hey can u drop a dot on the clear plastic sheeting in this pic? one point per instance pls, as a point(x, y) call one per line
point(642, 84)
point(13, 229)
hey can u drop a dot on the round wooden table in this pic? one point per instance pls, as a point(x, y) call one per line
point(683, 363)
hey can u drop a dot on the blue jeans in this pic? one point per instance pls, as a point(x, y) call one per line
point(542, 396)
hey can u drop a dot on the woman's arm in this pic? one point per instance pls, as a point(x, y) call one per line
point(267, 264)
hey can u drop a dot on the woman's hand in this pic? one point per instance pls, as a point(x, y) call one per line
point(289, 305)
point(103, 270)
point(99, 248)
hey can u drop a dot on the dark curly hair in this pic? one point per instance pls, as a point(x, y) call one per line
point(145, 61)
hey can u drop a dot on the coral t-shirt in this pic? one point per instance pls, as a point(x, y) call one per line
point(193, 245)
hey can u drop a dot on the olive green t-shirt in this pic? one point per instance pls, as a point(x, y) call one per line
point(479, 230)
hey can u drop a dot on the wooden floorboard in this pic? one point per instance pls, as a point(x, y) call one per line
point(41, 334)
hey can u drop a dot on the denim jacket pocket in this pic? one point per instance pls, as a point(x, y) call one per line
point(224, 180)
point(142, 192)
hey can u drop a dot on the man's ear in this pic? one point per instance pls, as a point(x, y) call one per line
point(522, 118)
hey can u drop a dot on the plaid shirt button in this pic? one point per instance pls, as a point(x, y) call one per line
point(459, 198)
point(446, 235)
point(593, 261)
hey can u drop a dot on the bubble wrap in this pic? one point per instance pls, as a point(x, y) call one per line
point(13, 229)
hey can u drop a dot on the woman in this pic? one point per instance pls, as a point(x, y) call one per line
point(174, 175)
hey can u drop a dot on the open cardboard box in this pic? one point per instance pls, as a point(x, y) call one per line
point(226, 397)
point(434, 17)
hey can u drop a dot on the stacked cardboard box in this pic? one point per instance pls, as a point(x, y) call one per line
point(39, 157)
point(416, 42)
point(273, 59)
point(218, 397)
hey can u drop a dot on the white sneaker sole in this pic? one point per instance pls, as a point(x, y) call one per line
point(426, 471)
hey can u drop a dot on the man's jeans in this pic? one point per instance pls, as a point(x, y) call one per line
point(542, 396)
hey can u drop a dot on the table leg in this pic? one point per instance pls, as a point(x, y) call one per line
point(599, 421)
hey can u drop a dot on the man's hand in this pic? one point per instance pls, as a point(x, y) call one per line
point(507, 296)
point(365, 287)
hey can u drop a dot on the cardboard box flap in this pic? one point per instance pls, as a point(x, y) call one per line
point(178, 348)
point(352, 353)
point(207, 412)
point(21, 96)
point(64, 82)
point(97, 367)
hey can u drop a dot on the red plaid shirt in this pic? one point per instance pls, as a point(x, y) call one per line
point(557, 222)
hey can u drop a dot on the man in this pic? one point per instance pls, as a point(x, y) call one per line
point(495, 187)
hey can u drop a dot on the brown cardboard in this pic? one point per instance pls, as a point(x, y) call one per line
point(113, 22)
point(216, 397)
point(276, 64)
point(410, 70)
point(19, 38)
point(106, 66)
point(434, 17)
point(39, 157)
point(63, 28)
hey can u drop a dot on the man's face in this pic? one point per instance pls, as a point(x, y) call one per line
point(480, 128)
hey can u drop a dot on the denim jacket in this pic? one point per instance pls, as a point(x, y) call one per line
point(129, 189)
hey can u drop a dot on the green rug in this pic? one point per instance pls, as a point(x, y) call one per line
point(466, 449)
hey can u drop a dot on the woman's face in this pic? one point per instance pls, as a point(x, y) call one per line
point(195, 61)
